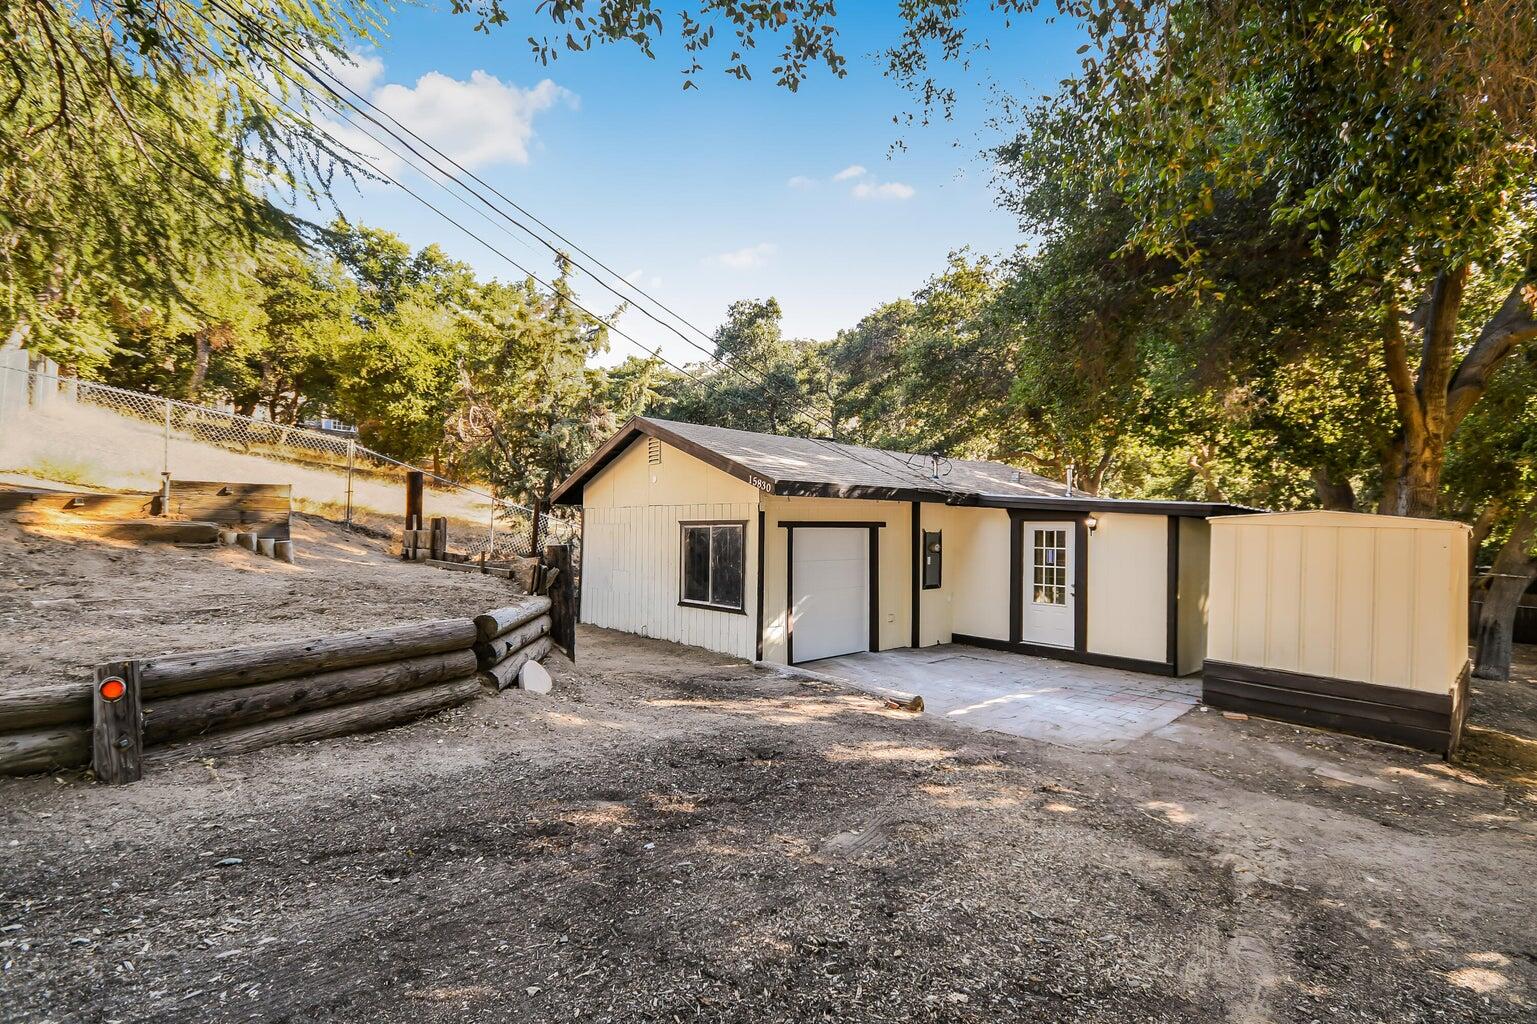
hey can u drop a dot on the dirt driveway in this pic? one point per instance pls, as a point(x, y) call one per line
point(677, 838)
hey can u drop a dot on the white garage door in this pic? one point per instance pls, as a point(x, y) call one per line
point(830, 601)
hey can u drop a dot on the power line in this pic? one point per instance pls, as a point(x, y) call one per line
point(304, 64)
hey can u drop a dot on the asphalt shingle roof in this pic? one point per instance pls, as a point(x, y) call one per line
point(814, 461)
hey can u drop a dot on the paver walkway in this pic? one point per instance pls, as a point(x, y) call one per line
point(1057, 701)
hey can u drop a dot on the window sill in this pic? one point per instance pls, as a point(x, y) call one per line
point(712, 607)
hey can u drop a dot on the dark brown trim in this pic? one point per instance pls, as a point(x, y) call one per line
point(1017, 520)
point(917, 556)
point(683, 525)
point(875, 589)
point(834, 524)
point(865, 492)
point(1064, 507)
point(762, 536)
point(1171, 647)
point(1397, 696)
point(1156, 668)
point(1425, 721)
point(790, 597)
point(874, 639)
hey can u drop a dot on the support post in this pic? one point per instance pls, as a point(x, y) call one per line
point(117, 726)
point(562, 598)
point(165, 442)
point(352, 451)
point(438, 538)
point(416, 480)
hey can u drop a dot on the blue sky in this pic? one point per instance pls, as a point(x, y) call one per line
point(705, 196)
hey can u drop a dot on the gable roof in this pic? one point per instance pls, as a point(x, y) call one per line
point(812, 467)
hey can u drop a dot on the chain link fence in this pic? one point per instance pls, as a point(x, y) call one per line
point(70, 431)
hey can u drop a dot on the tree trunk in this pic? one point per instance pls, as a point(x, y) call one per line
point(1335, 495)
point(1514, 569)
point(202, 348)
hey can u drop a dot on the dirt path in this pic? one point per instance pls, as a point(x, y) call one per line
point(674, 837)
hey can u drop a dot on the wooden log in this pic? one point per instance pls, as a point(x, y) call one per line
point(54, 704)
point(171, 674)
point(451, 566)
point(505, 673)
point(246, 540)
point(439, 538)
point(266, 546)
point(41, 750)
point(363, 716)
point(497, 621)
point(192, 714)
point(117, 734)
point(283, 551)
point(494, 652)
point(227, 537)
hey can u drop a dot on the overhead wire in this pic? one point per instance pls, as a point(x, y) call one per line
point(323, 77)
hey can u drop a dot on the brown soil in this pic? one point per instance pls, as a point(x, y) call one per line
point(676, 837)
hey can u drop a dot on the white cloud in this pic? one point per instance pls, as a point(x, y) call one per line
point(851, 171)
point(800, 181)
point(478, 121)
point(883, 190)
point(746, 258)
point(640, 279)
point(361, 72)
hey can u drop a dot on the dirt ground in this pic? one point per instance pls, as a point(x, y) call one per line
point(676, 837)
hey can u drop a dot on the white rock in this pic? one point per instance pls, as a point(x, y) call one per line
point(534, 678)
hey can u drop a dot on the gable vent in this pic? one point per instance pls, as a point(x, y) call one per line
point(653, 451)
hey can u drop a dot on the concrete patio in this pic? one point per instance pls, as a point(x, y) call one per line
point(1060, 702)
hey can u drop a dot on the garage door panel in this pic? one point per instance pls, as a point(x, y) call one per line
point(830, 600)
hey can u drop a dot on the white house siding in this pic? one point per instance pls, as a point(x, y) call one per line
point(977, 571)
point(1129, 586)
point(631, 557)
point(895, 566)
point(1376, 599)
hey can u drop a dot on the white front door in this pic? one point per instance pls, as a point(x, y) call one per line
point(1048, 605)
point(829, 592)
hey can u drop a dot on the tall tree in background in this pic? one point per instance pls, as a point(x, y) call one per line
point(1400, 137)
point(130, 135)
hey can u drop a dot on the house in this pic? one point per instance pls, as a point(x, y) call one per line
point(789, 550)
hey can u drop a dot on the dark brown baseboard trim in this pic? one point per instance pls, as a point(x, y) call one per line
point(1157, 668)
point(1413, 718)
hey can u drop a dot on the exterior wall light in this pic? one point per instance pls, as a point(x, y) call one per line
point(1091, 521)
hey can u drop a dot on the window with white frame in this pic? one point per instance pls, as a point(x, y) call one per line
point(1050, 565)
point(714, 565)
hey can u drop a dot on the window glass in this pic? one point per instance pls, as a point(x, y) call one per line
point(726, 566)
point(714, 565)
point(696, 563)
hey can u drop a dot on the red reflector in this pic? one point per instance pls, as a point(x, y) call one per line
point(113, 689)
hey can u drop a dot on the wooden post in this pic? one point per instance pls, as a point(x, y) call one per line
point(117, 733)
point(438, 539)
point(415, 481)
point(563, 609)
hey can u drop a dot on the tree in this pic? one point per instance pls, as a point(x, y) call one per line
point(1400, 137)
point(1491, 482)
point(532, 408)
point(128, 135)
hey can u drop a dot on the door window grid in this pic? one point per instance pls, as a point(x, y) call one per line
point(1050, 567)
